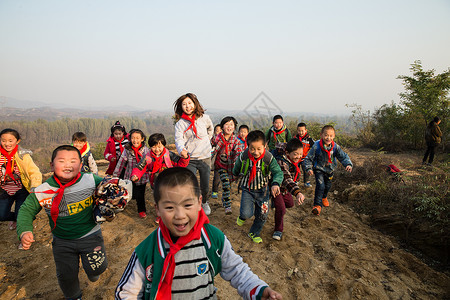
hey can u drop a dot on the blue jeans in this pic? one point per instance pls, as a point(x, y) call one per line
point(323, 185)
point(204, 168)
point(6, 202)
point(255, 203)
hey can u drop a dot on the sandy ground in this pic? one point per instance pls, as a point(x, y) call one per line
point(334, 256)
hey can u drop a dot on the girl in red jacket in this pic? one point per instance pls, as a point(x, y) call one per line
point(114, 146)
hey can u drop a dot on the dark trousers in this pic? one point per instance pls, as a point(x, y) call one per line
point(430, 153)
point(204, 168)
point(67, 254)
point(139, 195)
point(216, 181)
point(281, 202)
point(6, 202)
point(323, 185)
point(305, 174)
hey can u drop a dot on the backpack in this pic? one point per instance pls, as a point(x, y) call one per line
point(264, 164)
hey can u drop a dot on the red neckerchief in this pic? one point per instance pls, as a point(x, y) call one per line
point(192, 125)
point(302, 137)
point(243, 140)
point(157, 164)
point(253, 171)
point(83, 149)
point(297, 168)
point(120, 144)
point(226, 143)
point(165, 283)
point(54, 211)
point(10, 161)
point(327, 151)
point(277, 133)
point(136, 152)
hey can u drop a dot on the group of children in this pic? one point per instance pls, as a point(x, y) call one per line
point(180, 259)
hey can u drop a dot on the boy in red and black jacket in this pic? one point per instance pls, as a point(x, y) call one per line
point(308, 142)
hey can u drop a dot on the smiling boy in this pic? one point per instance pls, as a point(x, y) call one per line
point(180, 259)
point(67, 199)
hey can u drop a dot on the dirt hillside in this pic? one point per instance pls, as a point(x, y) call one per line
point(334, 256)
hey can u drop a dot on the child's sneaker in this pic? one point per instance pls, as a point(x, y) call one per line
point(255, 238)
point(277, 235)
point(308, 184)
point(228, 210)
point(206, 208)
point(316, 210)
point(240, 222)
point(142, 215)
point(214, 195)
point(325, 202)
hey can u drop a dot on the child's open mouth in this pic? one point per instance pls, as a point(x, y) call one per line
point(181, 227)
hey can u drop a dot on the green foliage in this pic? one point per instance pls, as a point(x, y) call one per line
point(97, 150)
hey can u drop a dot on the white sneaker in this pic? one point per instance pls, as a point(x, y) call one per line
point(206, 208)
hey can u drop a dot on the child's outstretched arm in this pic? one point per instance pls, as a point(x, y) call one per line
point(309, 159)
point(270, 294)
point(277, 177)
point(92, 164)
point(131, 285)
point(27, 213)
point(343, 158)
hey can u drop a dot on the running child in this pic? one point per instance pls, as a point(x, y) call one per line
point(18, 175)
point(216, 177)
point(193, 133)
point(180, 259)
point(308, 142)
point(79, 141)
point(159, 159)
point(114, 146)
point(226, 148)
point(254, 166)
point(278, 133)
point(242, 136)
point(321, 161)
point(67, 199)
point(133, 152)
point(290, 165)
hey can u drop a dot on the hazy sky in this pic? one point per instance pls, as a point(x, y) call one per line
point(311, 56)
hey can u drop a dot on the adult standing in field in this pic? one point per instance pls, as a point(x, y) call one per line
point(433, 136)
point(193, 133)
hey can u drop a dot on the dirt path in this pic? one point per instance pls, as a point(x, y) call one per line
point(334, 256)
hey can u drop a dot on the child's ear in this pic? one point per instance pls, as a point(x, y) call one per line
point(157, 210)
point(200, 202)
point(52, 167)
point(18, 141)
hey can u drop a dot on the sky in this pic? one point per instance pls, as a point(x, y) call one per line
point(304, 56)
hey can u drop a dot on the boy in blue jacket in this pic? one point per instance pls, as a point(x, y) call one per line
point(180, 259)
point(321, 161)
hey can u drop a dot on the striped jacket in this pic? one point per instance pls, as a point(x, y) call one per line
point(224, 161)
point(128, 161)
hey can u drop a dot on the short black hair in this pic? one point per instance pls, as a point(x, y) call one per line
point(79, 136)
point(256, 135)
point(293, 145)
point(155, 138)
point(118, 126)
point(65, 148)
point(276, 117)
point(301, 124)
point(138, 131)
point(173, 177)
point(11, 131)
point(243, 126)
point(226, 120)
point(327, 127)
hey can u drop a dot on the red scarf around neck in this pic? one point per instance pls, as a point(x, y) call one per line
point(10, 161)
point(253, 171)
point(137, 154)
point(226, 143)
point(192, 125)
point(120, 144)
point(54, 211)
point(328, 152)
point(243, 140)
point(83, 150)
point(157, 164)
point(275, 133)
point(302, 137)
point(165, 283)
point(297, 168)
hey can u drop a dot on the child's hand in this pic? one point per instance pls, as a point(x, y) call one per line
point(348, 168)
point(184, 154)
point(275, 190)
point(310, 172)
point(134, 178)
point(270, 294)
point(27, 239)
point(300, 198)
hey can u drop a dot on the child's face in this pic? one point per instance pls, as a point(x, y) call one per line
point(136, 139)
point(9, 142)
point(217, 130)
point(243, 132)
point(278, 124)
point(228, 127)
point(79, 145)
point(256, 148)
point(295, 155)
point(327, 136)
point(118, 134)
point(66, 165)
point(157, 149)
point(178, 208)
point(301, 130)
point(188, 106)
